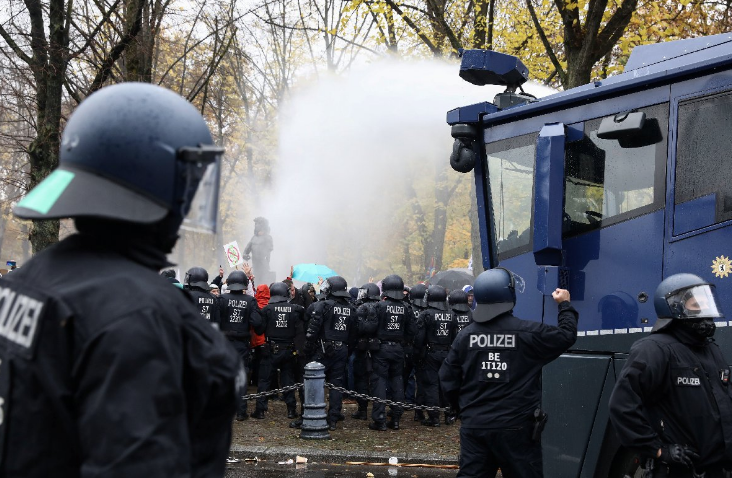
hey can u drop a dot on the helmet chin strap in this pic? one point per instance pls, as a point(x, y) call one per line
point(703, 328)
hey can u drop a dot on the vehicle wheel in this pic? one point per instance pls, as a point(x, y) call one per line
point(626, 464)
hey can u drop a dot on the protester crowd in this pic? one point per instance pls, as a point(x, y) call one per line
point(383, 339)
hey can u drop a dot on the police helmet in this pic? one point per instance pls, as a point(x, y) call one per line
point(436, 296)
point(416, 295)
point(393, 286)
point(369, 291)
point(237, 280)
point(335, 286)
point(458, 300)
point(279, 292)
point(684, 297)
point(495, 292)
point(196, 277)
point(132, 152)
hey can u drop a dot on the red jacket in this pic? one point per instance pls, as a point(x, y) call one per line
point(262, 296)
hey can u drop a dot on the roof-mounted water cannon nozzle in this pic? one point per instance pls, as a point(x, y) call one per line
point(487, 67)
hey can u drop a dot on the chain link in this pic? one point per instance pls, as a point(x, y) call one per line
point(406, 406)
point(350, 393)
point(269, 393)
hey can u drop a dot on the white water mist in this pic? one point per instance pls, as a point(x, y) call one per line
point(343, 143)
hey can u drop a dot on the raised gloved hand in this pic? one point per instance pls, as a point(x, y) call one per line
point(678, 455)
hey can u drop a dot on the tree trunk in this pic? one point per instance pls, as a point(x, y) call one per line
point(480, 23)
point(584, 44)
point(409, 276)
point(442, 197)
point(421, 224)
point(49, 70)
point(3, 224)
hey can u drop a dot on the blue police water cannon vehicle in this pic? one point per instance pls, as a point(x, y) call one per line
point(605, 190)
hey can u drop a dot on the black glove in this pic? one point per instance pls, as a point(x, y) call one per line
point(678, 455)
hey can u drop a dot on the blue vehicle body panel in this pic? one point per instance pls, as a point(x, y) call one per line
point(609, 268)
point(613, 270)
point(695, 214)
point(616, 86)
point(548, 193)
point(529, 300)
point(679, 53)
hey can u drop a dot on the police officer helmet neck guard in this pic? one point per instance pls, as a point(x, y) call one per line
point(393, 287)
point(416, 295)
point(237, 281)
point(688, 300)
point(369, 292)
point(279, 292)
point(196, 277)
point(436, 297)
point(335, 286)
point(495, 293)
point(131, 153)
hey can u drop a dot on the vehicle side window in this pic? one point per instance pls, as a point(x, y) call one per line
point(703, 190)
point(510, 180)
point(612, 180)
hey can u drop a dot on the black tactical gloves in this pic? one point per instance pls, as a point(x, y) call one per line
point(678, 455)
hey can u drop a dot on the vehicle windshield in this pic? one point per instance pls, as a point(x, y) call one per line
point(511, 183)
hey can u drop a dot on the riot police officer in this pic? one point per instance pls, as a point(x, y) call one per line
point(492, 378)
point(238, 312)
point(113, 372)
point(280, 322)
point(368, 296)
point(458, 301)
point(196, 282)
point(672, 402)
point(439, 332)
point(305, 351)
point(414, 361)
point(393, 324)
point(331, 330)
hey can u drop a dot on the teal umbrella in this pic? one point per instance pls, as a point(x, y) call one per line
point(311, 272)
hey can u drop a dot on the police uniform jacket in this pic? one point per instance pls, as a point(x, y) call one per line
point(438, 329)
point(674, 389)
point(366, 322)
point(493, 369)
point(463, 318)
point(108, 370)
point(280, 322)
point(394, 320)
point(238, 313)
point(207, 304)
point(333, 320)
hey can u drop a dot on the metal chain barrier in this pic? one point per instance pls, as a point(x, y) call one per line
point(350, 393)
point(269, 393)
point(405, 406)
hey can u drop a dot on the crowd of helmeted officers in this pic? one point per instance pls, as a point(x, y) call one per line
point(384, 340)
